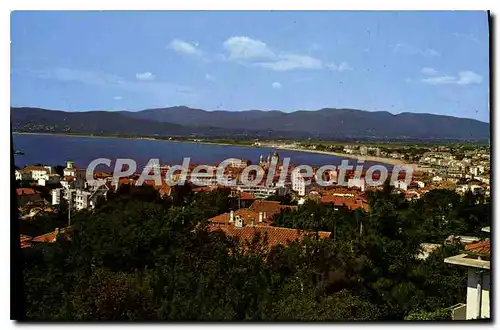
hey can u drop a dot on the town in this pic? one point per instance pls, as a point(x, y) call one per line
point(264, 209)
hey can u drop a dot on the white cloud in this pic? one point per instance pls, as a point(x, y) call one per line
point(276, 85)
point(468, 77)
point(209, 77)
point(248, 51)
point(145, 76)
point(118, 98)
point(429, 71)
point(244, 48)
point(412, 50)
point(291, 62)
point(341, 67)
point(184, 47)
point(463, 78)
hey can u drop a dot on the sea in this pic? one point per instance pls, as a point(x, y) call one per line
point(55, 150)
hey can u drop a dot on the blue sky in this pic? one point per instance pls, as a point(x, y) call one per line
point(433, 62)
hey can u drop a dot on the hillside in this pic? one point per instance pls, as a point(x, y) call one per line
point(329, 123)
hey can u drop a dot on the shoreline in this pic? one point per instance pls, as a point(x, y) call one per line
point(381, 160)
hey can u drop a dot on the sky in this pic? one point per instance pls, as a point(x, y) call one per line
point(423, 62)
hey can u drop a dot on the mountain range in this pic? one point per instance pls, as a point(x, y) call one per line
point(328, 123)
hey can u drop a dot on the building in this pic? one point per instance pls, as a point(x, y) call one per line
point(476, 258)
point(80, 198)
point(205, 178)
point(298, 183)
point(259, 191)
point(400, 184)
point(49, 179)
point(26, 196)
point(33, 173)
point(23, 175)
point(350, 203)
point(270, 236)
point(259, 213)
point(75, 172)
point(356, 183)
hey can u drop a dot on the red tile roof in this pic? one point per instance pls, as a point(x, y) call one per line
point(35, 168)
point(25, 191)
point(25, 241)
point(246, 196)
point(274, 235)
point(350, 203)
point(480, 248)
point(202, 189)
point(52, 236)
point(265, 206)
point(246, 214)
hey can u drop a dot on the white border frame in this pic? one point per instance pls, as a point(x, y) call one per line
point(8, 6)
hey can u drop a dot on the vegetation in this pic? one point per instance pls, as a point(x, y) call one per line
point(142, 258)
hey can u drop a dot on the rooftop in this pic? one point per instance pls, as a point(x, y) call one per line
point(274, 235)
point(25, 191)
point(466, 260)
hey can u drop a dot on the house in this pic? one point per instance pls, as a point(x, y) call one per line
point(51, 237)
point(437, 179)
point(259, 213)
point(400, 184)
point(72, 182)
point(75, 172)
point(350, 203)
point(298, 184)
point(259, 191)
point(38, 172)
point(476, 258)
point(80, 198)
point(49, 179)
point(27, 195)
point(271, 236)
point(245, 199)
point(23, 175)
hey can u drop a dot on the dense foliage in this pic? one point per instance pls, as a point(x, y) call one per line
point(139, 257)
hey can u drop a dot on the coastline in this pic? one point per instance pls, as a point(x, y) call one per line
point(138, 138)
point(381, 160)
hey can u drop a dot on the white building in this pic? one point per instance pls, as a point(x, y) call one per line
point(477, 259)
point(357, 183)
point(23, 175)
point(437, 179)
point(72, 171)
point(49, 179)
point(298, 183)
point(205, 178)
point(33, 173)
point(400, 184)
point(260, 192)
point(80, 198)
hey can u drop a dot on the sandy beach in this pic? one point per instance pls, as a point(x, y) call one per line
point(383, 160)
